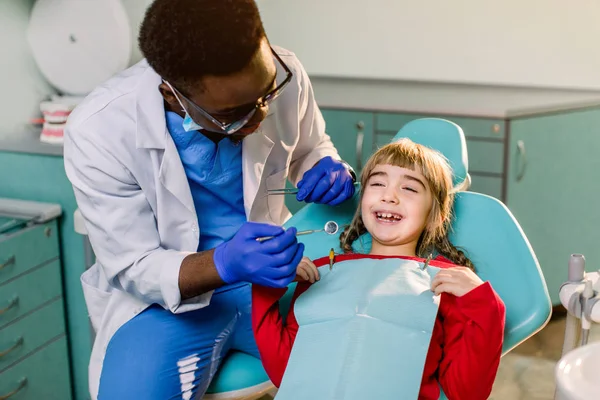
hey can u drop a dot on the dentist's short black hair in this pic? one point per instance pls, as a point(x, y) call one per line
point(185, 40)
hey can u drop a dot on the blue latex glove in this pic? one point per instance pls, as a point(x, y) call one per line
point(328, 182)
point(270, 263)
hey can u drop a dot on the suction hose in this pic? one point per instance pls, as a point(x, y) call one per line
point(572, 328)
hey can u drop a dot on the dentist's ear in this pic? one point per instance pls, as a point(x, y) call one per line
point(169, 97)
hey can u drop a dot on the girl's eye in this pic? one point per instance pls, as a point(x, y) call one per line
point(411, 189)
point(376, 184)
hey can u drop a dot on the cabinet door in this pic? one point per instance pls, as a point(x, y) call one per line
point(553, 189)
point(352, 135)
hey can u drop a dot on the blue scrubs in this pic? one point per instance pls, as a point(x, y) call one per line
point(160, 355)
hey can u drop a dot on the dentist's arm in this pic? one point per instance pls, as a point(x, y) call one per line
point(270, 263)
point(123, 232)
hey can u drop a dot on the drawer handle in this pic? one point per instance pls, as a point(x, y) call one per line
point(360, 138)
point(22, 384)
point(12, 303)
point(521, 153)
point(11, 261)
point(18, 343)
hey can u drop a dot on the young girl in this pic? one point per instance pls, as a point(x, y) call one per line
point(406, 204)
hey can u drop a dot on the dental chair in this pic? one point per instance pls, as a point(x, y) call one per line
point(483, 226)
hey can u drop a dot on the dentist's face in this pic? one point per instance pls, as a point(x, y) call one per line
point(229, 98)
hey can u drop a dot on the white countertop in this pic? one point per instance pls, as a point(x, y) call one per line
point(28, 141)
point(499, 102)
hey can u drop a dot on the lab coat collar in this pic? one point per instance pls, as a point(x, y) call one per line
point(255, 151)
point(150, 112)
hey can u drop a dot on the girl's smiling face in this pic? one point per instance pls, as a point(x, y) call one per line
point(395, 209)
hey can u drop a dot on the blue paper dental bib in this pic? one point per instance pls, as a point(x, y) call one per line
point(364, 332)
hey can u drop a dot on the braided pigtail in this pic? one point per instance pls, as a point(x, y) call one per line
point(448, 250)
point(352, 232)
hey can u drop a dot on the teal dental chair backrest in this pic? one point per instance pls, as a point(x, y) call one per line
point(483, 226)
point(443, 136)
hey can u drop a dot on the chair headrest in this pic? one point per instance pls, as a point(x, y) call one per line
point(444, 136)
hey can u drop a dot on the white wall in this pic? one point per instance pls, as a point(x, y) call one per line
point(22, 85)
point(136, 9)
point(536, 43)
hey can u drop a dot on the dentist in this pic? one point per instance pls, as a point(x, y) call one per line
point(170, 162)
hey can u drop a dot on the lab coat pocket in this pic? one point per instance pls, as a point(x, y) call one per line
point(95, 298)
point(277, 210)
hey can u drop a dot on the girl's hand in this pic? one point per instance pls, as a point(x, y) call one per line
point(457, 281)
point(307, 271)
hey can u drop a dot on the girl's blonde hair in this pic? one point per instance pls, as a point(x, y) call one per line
point(405, 153)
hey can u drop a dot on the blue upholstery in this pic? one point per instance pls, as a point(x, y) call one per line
point(483, 227)
point(444, 136)
point(239, 371)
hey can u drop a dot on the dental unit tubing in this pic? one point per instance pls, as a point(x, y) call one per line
point(580, 296)
point(581, 302)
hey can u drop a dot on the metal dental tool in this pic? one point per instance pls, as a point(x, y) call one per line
point(282, 191)
point(427, 262)
point(331, 228)
point(288, 190)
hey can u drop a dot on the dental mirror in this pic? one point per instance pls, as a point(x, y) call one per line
point(330, 228)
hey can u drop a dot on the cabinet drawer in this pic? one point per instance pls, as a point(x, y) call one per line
point(472, 127)
point(490, 185)
point(30, 291)
point(27, 248)
point(484, 156)
point(25, 335)
point(46, 372)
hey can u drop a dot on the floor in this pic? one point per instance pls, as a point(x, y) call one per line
point(527, 372)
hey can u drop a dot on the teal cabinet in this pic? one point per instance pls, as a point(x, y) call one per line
point(473, 127)
point(34, 358)
point(39, 177)
point(553, 187)
point(40, 376)
point(352, 135)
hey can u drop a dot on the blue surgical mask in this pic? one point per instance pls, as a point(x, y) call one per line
point(189, 124)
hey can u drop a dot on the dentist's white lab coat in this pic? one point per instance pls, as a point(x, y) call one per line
point(133, 193)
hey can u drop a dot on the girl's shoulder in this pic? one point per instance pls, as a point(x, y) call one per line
point(442, 262)
point(439, 261)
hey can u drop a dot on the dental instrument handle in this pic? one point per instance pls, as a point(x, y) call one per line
point(262, 239)
point(307, 232)
point(576, 267)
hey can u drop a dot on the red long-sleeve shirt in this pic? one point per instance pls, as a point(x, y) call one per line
point(464, 352)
